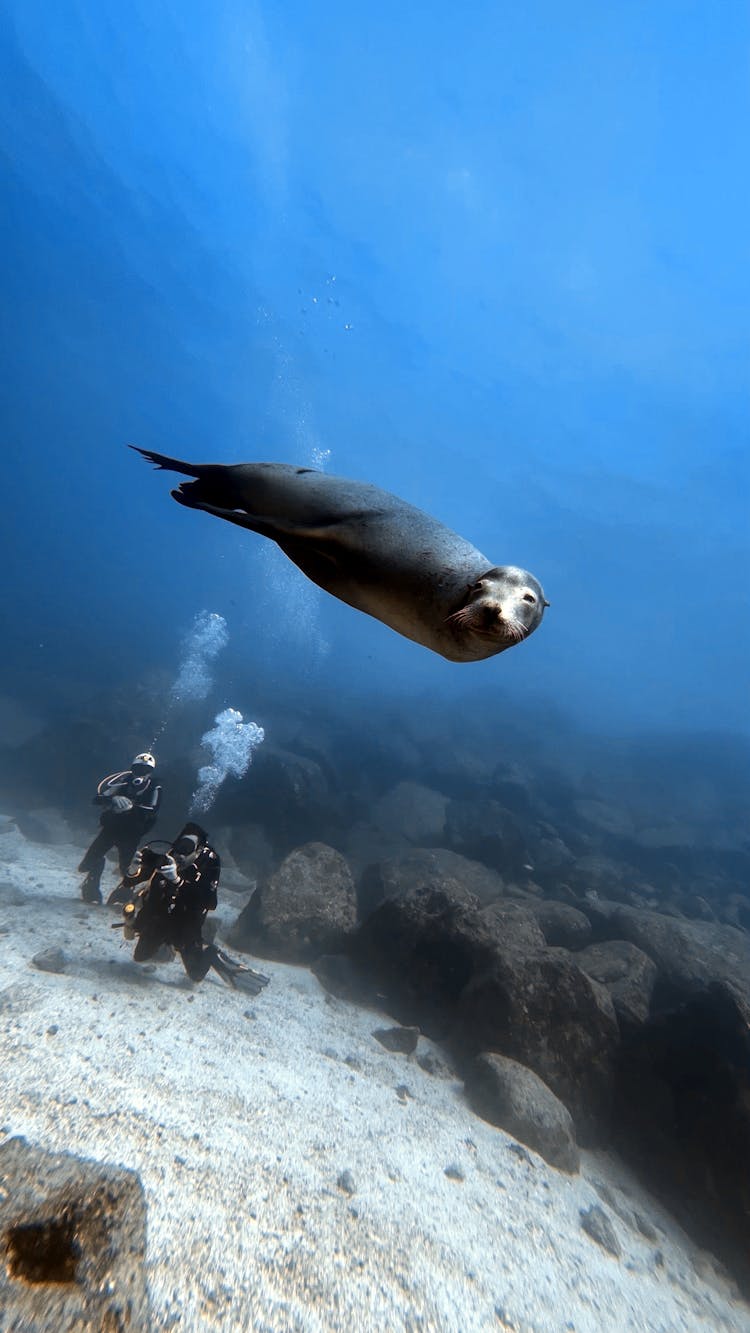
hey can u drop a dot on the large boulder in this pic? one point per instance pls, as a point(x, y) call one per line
point(446, 967)
point(541, 1009)
point(422, 949)
point(411, 811)
point(593, 872)
point(562, 926)
point(457, 763)
point(517, 1100)
point(513, 789)
point(627, 972)
point(414, 869)
point(691, 956)
point(307, 907)
point(682, 1104)
point(45, 825)
point(485, 831)
point(282, 775)
point(250, 849)
point(364, 845)
point(670, 834)
point(612, 819)
point(514, 924)
point(550, 857)
point(683, 1116)
point(288, 794)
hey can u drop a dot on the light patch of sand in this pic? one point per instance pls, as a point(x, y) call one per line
point(241, 1115)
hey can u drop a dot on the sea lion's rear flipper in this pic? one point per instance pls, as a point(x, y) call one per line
point(209, 486)
point(166, 464)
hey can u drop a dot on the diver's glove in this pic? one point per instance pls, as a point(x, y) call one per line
point(169, 870)
point(121, 803)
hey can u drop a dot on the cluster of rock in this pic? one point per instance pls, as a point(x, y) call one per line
point(588, 1024)
point(585, 957)
point(587, 990)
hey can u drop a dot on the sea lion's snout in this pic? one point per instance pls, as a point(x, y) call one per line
point(504, 623)
point(488, 619)
point(490, 616)
point(506, 604)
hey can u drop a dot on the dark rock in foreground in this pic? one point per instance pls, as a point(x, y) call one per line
point(74, 1240)
point(518, 1101)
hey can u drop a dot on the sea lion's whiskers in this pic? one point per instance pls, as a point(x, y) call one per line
point(463, 615)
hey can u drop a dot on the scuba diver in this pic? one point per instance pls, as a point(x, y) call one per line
point(131, 800)
point(168, 898)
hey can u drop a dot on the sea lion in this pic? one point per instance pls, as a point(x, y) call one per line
point(373, 551)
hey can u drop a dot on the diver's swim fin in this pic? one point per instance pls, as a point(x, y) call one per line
point(248, 981)
point(236, 974)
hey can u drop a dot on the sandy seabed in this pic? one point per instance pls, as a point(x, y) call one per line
point(297, 1175)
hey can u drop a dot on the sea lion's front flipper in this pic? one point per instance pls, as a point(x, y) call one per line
point(337, 530)
point(265, 526)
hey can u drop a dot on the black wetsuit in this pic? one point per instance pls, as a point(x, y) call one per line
point(173, 914)
point(121, 829)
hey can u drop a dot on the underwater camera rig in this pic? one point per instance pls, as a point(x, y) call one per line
point(136, 906)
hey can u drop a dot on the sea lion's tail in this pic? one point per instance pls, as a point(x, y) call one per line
point(166, 464)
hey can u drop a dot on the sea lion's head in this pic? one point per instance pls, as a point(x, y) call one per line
point(504, 606)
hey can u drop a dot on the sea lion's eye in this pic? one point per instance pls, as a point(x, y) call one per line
point(529, 597)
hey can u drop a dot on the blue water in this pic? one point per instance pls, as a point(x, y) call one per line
point(496, 263)
point(492, 258)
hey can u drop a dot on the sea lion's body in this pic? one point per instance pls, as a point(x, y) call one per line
point(374, 551)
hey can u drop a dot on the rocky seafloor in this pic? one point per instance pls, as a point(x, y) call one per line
point(542, 966)
point(176, 1156)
